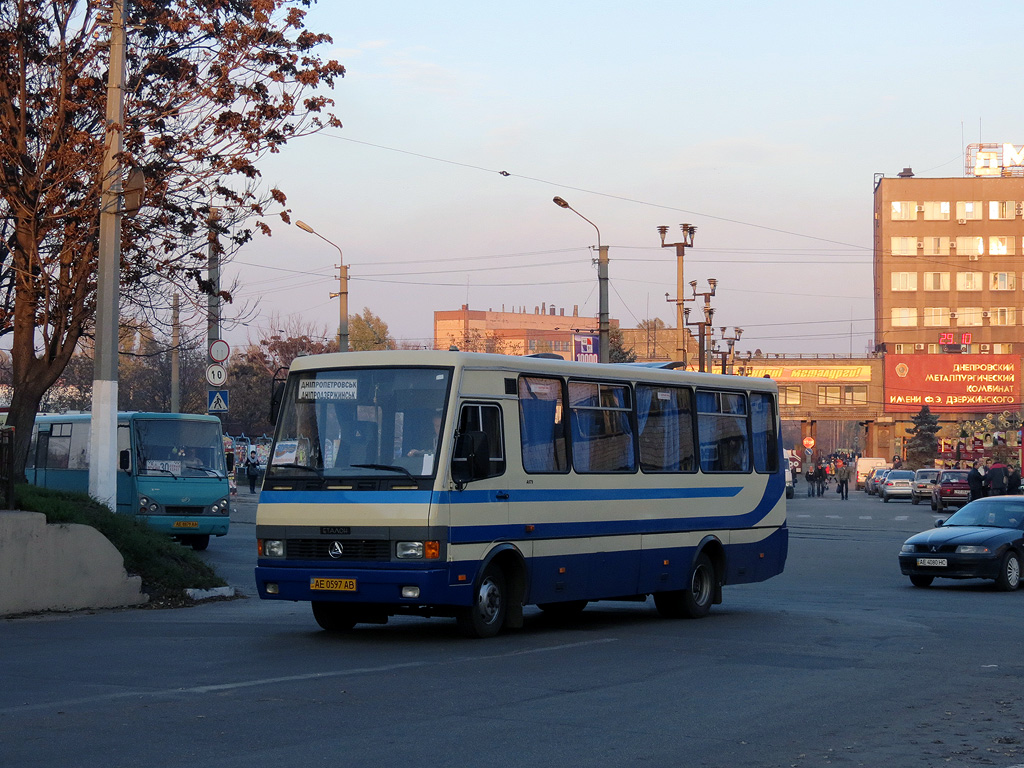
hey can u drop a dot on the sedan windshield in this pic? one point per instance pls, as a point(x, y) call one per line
point(990, 514)
point(361, 421)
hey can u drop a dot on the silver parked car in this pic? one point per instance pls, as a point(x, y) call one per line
point(896, 485)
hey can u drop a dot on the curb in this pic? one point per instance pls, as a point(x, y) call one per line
point(209, 594)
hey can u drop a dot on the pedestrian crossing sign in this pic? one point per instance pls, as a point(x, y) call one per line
point(218, 401)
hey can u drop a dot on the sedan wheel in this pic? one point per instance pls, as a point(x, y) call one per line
point(921, 581)
point(1009, 573)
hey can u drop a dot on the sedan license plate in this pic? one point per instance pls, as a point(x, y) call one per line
point(186, 524)
point(931, 562)
point(333, 585)
point(959, 493)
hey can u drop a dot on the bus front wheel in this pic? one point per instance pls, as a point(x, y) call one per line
point(694, 602)
point(198, 542)
point(333, 617)
point(490, 601)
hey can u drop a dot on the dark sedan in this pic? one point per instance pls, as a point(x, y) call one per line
point(983, 540)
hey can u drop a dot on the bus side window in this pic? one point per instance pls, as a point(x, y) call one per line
point(665, 418)
point(59, 447)
point(486, 419)
point(765, 440)
point(541, 424)
point(722, 428)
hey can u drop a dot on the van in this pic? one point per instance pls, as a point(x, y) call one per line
point(865, 465)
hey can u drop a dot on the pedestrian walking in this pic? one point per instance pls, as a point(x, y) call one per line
point(252, 470)
point(843, 478)
point(809, 476)
point(1013, 481)
point(976, 482)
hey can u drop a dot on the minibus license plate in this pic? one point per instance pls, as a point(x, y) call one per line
point(186, 524)
point(935, 562)
point(333, 585)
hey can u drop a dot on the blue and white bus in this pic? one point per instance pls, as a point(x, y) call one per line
point(172, 471)
point(472, 485)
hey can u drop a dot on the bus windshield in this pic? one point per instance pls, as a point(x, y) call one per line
point(179, 448)
point(360, 421)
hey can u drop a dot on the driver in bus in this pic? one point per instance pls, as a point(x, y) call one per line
point(432, 448)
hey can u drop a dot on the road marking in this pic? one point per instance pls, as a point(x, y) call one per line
point(866, 517)
point(834, 517)
point(902, 517)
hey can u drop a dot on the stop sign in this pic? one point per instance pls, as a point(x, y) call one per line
point(808, 442)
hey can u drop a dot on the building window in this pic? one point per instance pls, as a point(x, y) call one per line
point(1001, 209)
point(903, 210)
point(1002, 281)
point(968, 209)
point(900, 349)
point(850, 394)
point(936, 211)
point(933, 349)
point(789, 394)
point(1002, 349)
point(904, 281)
point(1000, 246)
point(970, 246)
point(904, 316)
point(936, 317)
point(936, 281)
point(903, 246)
point(967, 316)
point(1003, 316)
point(935, 246)
point(533, 345)
point(968, 281)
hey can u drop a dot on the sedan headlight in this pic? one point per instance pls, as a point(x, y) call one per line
point(907, 548)
point(972, 549)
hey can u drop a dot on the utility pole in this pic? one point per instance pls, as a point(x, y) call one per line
point(103, 461)
point(687, 242)
point(705, 324)
point(175, 357)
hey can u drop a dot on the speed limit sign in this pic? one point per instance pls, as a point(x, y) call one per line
point(216, 375)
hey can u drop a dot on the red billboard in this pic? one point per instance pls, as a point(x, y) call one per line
point(949, 383)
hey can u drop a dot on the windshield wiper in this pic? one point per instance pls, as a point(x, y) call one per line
point(292, 465)
point(147, 470)
point(386, 467)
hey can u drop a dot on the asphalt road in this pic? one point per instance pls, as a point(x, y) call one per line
point(839, 661)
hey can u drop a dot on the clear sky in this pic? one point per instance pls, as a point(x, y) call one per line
point(763, 124)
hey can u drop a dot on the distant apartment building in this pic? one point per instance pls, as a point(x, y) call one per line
point(949, 255)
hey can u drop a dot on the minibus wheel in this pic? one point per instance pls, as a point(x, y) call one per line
point(490, 601)
point(695, 601)
point(333, 617)
point(199, 542)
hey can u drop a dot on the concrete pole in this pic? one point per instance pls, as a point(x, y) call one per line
point(103, 461)
point(680, 320)
point(175, 358)
point(213, 299)
point(603, 323)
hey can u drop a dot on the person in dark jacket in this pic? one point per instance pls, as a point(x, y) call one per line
point(995, 479)
point(819, 479)
point(1013, 481)
point(252, 470)
point(976, 482)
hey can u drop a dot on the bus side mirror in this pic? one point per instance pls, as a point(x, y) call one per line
point(472, 459)
point(124, 460)
point(277, 393)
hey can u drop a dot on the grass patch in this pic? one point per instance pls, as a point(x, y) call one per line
point(166, 567)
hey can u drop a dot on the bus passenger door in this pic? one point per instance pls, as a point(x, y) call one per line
point(127, 481)
point(479, 512)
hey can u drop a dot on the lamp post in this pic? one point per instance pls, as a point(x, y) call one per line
point(602, 285)
point(342, 288)
point(687, 241)
point(728, 356)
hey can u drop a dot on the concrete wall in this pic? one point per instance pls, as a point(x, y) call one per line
point(60, 567)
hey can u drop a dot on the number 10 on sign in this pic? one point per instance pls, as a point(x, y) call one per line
point(216, 375)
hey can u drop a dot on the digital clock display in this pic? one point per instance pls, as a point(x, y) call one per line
point(950, 338)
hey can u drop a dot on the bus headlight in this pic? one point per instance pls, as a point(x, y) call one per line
point(220, 507)
point(270, 548)
point(409, 550)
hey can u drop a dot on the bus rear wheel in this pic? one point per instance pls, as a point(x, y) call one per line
point(486, 616)
point(333, 617)
point(694, 602)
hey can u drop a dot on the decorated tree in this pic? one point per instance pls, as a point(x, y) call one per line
point(211, 87)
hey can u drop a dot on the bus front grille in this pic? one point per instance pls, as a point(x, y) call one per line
point(351, 549)
point(184, 511)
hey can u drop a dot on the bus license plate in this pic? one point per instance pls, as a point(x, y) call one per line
point(186, 524)
point(333, 585)
point(933, 562)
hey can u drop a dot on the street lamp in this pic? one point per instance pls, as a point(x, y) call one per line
point(703, 325)
point(342, 288)
point(602, 284)
point(687, 242)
